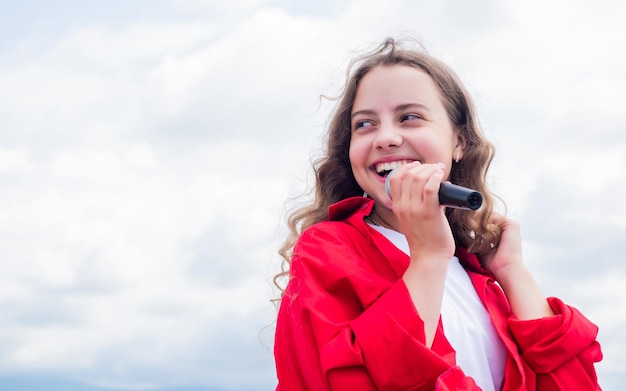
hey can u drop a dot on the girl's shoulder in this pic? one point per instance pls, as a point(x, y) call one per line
point(345, 221)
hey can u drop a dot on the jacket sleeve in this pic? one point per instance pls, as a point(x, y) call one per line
point(561, 350)
point(356, 324)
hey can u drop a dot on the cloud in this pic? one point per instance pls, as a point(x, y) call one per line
point(146, 158)
point(14, 161)
point(133, 245)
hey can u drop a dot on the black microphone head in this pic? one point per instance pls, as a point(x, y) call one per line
point(455, 196)
point(474, 200)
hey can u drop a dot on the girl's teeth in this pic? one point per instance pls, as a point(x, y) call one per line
point(388, 166)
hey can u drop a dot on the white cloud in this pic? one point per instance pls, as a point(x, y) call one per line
point(145, 166)
point(15, 160)
point(213, 6)
point(117, 238)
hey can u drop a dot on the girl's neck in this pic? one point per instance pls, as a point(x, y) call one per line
point(383, 220)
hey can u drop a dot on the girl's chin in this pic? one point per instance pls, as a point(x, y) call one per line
point(385, 202)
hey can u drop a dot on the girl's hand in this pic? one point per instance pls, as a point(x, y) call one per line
point(414, 190)
point(509, 251)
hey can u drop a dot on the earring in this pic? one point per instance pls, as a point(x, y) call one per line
point(364, 194)
point(456, 156)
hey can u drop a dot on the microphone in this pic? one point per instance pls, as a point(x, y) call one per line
point(451, 195)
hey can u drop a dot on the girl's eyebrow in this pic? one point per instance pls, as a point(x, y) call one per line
point(406, 106)
point(401, 107)
point(363, 112)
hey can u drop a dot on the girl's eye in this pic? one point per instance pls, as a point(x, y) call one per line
point(409, 117)
point(362, 124)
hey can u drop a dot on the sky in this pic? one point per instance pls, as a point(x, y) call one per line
point(149, 151)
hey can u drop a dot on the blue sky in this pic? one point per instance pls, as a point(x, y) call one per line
point(148, 149)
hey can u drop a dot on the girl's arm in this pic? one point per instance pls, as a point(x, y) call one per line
point(524, 296)
point(415, 189)
point(556, 341)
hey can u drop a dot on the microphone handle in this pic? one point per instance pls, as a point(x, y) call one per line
point(452, 196)
point(455, 196)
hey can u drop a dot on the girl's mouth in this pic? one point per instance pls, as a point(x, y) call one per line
point(383, 169)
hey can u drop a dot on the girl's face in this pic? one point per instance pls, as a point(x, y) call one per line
point(398, 117)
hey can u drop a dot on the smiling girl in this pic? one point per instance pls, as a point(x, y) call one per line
point(392, 291)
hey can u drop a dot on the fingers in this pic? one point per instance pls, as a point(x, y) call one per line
point(504, 223)
point(415, 191)
point(417, 183)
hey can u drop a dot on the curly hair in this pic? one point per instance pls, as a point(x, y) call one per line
point(334, 179)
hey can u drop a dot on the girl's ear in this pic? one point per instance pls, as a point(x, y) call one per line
point(459, 149)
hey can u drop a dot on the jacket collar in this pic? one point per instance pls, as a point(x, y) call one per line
point(354, 209)
point(348, 207)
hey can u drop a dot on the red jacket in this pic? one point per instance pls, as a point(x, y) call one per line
point(347, 322)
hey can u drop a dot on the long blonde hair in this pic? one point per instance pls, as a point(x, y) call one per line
point(334, 180)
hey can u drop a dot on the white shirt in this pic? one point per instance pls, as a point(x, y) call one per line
point(466, 323)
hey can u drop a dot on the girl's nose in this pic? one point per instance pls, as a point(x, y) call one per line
point(388, 136)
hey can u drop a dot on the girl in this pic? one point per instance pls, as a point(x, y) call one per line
point(390, 290)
